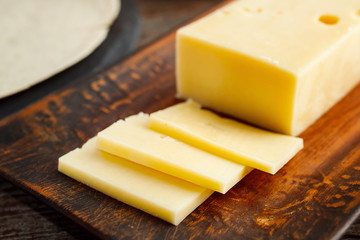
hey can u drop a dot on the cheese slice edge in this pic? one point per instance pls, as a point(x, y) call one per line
point(250, 146)
point(158, 194)
point(133, 140)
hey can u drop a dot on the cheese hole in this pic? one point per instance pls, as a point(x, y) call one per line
point(358, 12)
point(329, 19)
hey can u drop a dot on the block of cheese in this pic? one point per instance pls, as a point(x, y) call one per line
point(277, 64)
point(133, 140)
point(230, 139)
point(158, 194)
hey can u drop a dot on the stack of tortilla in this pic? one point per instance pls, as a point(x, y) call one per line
point(39, 38)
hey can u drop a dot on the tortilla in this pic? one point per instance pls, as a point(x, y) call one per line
point(39, 38)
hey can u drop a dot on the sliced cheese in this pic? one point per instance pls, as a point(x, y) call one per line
point(278, 64)
point(230, 139)
point(133, 140)
point(158, 194)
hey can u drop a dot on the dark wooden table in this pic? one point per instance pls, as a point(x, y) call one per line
point(24, 217)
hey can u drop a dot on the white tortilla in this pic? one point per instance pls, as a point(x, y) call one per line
point(39, 38)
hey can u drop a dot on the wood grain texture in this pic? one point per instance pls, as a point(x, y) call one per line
point(158, 17)
point(24, 217)
point(315, 196)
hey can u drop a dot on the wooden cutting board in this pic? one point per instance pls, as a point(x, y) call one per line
point(315, 196)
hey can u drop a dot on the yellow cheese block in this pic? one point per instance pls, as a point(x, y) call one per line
point(133, 140)
point(278, 64)
point(158, 194)
point(250, 146)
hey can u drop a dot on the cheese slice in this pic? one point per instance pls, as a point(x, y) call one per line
point(133, 140)
point(230, 139)
point(158, 194)
point(277, 64)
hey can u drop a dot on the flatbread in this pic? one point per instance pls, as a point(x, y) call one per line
point(39, 38)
